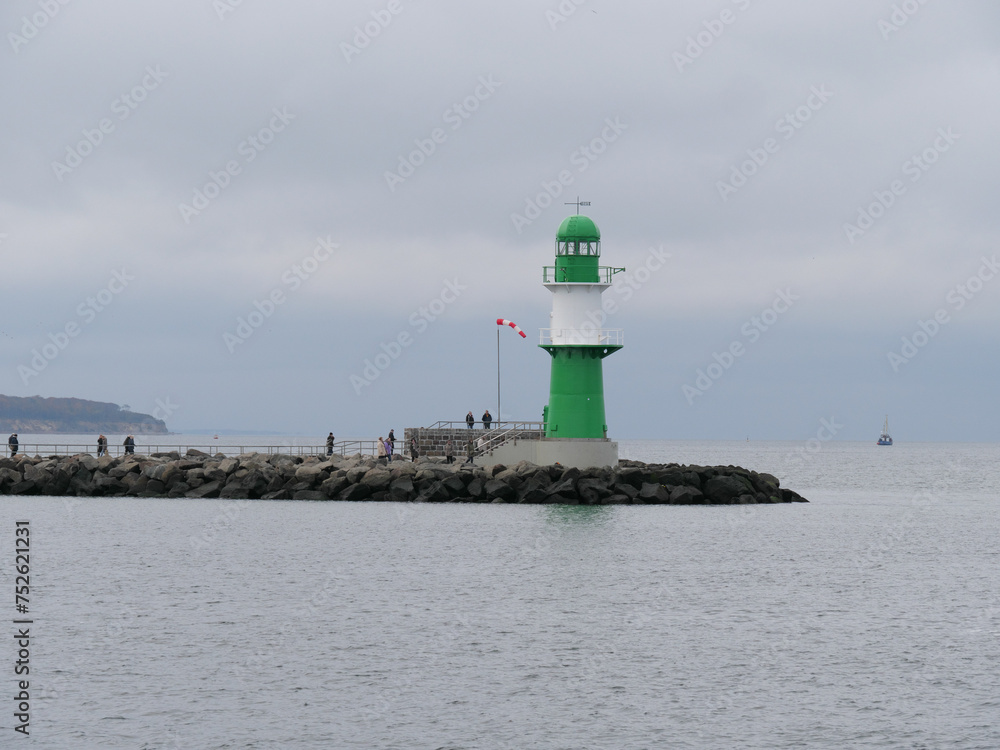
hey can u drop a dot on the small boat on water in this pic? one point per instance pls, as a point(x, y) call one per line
point(885, 438)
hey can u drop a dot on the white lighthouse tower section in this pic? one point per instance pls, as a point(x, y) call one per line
point(576, 314)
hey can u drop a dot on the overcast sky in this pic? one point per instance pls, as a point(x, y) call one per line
point(224, 212)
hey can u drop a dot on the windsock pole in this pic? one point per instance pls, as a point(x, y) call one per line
point(523, 335)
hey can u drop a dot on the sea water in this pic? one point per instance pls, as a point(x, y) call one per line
point(868, 618)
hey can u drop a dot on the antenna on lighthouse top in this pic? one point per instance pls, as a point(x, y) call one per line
point(578, 203)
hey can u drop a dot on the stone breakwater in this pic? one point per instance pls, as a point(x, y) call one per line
point(354, 478)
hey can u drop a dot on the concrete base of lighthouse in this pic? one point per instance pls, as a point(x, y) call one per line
point(581, 453)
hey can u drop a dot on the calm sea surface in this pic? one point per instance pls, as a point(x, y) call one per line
point(868, 618)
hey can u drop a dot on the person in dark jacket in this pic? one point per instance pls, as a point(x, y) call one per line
point(449, 453)
point(470, 420)
point(470, 450)
point(329, 444)
point(102, 446)
point(12, 442)
point(392, 438)
point(129, 444)
point(414, 449)
point(487, 419)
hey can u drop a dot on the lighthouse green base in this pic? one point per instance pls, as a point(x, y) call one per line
point(576, 392)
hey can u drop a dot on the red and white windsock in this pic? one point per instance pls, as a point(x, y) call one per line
point(502, 322)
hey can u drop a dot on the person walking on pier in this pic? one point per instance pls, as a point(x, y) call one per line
point(470, 420)
point(487, 419)
point(392, 438)
point(329, 444)
point(470, 450)
point(102, 446)
point(449, 453)
point(388, 450)
point(12, 442)
point(129, 444)
point(381, 450)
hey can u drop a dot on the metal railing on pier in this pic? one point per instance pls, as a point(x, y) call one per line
point(497, 434)
point(342, 448)
point(493, 425)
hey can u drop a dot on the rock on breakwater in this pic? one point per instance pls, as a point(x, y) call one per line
point(282, 477)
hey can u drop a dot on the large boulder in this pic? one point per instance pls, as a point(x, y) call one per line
point(228, 465)
point(401, 490)
point(355, 492)
point(790, 496)
point(687, 496)
point(766, 483)
point(455, 486)
point(209, 489)
point(630, 475)
point(377, 479)
point(497, 490)
point(333, 485)
point(723, 489)
point(474, 490)
point(593, 489)
point(654, 494)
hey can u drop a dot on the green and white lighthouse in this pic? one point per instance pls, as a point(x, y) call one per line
point(575, 339)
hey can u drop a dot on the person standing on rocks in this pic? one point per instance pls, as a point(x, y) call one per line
point(129, 444)
point(329, 444)
point(449, 453)
point(102, 446)
point(381, 450)
point(487, 419)
point(12, 442)
point(392, 438)
point(414, 449)
point(470, 450)
point(388, 450)
point(470, 420)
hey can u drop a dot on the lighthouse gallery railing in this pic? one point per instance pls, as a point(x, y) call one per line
point(604, 274)
point(579, 337)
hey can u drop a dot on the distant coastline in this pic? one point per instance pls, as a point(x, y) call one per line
point(68, 416)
